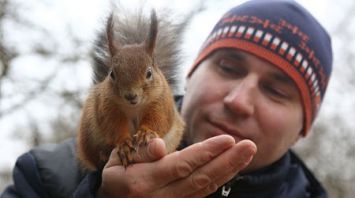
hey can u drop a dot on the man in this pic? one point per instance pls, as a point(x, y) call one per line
point(257, 82)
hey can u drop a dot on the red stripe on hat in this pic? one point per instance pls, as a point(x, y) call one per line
point(297, 63)
point(282, 51)
point(273, 46)
point(256, 39)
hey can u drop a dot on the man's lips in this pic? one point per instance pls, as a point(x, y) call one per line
point(220, 128)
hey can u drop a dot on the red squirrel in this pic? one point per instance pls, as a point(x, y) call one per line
point(131, 101)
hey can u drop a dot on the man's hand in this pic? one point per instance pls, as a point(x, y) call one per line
point(196, 171)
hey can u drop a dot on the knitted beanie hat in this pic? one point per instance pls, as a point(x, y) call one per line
point(285, 34)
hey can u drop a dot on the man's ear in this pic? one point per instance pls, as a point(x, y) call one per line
point(299, 136)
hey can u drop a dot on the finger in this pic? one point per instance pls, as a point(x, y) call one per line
point(141, 178)
point(219, 171)
point(153, 151)
point(213, 186)
point(181, 164)
point(236, 165)
point(172, 167)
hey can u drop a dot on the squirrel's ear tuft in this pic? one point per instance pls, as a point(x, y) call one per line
point(110, 35)
point(151, 39)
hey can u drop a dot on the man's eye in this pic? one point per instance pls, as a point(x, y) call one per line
point(275, 92)
point(230, 68)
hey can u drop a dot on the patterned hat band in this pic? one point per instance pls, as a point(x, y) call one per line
point(280, 42)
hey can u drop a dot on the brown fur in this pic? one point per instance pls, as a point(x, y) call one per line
point(129, 106)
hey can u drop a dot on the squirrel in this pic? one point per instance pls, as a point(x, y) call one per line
point(131, 101)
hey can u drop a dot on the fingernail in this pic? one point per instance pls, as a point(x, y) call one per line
point(201, 181)
point(248, 156)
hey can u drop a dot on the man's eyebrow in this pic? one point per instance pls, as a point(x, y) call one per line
point(279, 76)
point(234, 54)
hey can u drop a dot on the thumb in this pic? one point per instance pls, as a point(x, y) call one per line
point(154, 150)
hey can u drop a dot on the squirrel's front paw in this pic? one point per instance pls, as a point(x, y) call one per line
point(125, 152)
point(142, 137)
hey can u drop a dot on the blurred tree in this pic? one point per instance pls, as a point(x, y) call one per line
point(5, 54)
point(330, 151)
point(18, 90)
point(24, 87)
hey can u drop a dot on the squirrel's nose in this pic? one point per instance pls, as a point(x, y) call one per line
point(132, 98)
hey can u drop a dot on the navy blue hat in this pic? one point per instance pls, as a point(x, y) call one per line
point(285, 34)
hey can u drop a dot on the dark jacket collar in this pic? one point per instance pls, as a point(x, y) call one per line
point(264, 178)
point(287, 177)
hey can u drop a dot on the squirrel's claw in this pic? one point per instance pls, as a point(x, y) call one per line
point(125, 152)
point(142, 137)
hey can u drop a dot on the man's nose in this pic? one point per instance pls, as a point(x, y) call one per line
point(241, 97)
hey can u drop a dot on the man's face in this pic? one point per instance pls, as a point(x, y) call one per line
point(236, 93)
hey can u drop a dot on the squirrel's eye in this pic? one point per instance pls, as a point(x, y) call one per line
point(149, 73)
point(112, 75)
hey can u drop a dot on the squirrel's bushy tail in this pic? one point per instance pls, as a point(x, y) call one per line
point(131, 27)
